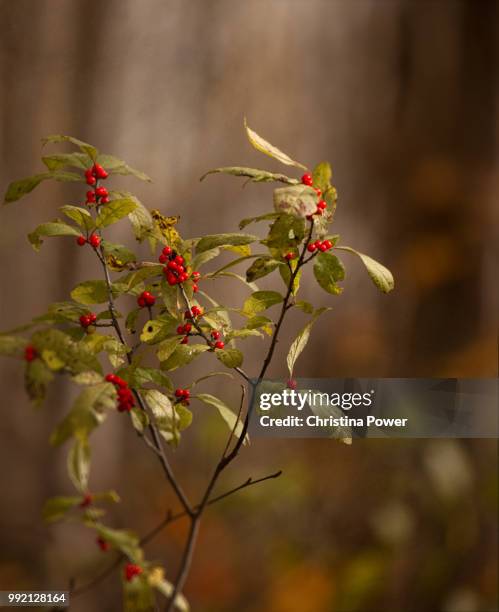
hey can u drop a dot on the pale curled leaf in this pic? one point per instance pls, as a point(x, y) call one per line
point(225, 412)
point(79, 463)
point(301, 341)
point(298, 200)
point(262, 145)
point(381, 276)
point(253, 174)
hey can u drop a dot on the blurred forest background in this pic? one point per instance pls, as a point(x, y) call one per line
point(400, 96)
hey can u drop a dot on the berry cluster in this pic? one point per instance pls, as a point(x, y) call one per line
point(185, 331)
point(194, 312)
point(94, 173)
point(88, 319)
point(216, 335)
point(146, 299)
point(323, 246)
point(98, 195)
point(93, 240)
point(183, 396)
point(175, 271)
point(30, 353)
point(103, 544)
point(86, 501)
point(126, 401)
point(132, 570)
point(307, 179)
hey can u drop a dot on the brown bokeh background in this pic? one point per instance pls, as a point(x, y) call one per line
point(401, 97)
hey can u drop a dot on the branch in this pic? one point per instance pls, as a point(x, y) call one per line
point(170, 518)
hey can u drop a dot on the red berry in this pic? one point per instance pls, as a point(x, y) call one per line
point(291, 384)
point(311, 248)
point(185, 340)
point(120, 382)
point(196, 311)
point(322, 247)
point(85, 320)
point(187, 328)
point(318, 191)
point(105, 200)
point(317, 244)
point(183, 277)
point(132, 570)
point(196, 276)
point(307, 179)
point(102, 544)
point(329, 244)
point(93, 317)
point(289, 256)
point(150, 300)
point(162, 258)
point(90, 197)
point(89, 173)
point(99, 171)
point(318, 211)
point(111, 378)
point(141, 301)
point(94, 240)
point(186, 393)
point(180, 330)
point(179, 259)
point(178, 392)
point(101, 192)
point(167, 251)
point(91, 180)
point(86, 501)
point(30, 353)
point(195, 288)
point(219, 344)
point(171, 279)
point(81, 240)
point(215, 334)
point(322, 205)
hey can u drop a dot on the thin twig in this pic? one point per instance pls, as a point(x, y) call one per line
point(170, 518)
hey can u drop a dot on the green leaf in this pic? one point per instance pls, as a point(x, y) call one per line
point(265, 217)
point(121, 539)
point(51, 229)
point(87, 378)
point(143, 376)
point(252, 286)
point(56, 508)
point(265, 147)
point(219, 240)
point(167, 347)
point(131, 320)
point(225, 412)
point(183, 354)
point(141, 220)
point(158, 329)
point(17, 189)
point(261, 267)
point(12, 346)
point(304, 306)
point(89, 149)
point(90, 292)
point(117, 166)
point(114, 211)
point(260, 321)
point(36, 379)
point(301, 341)
point(285, 273)
point(170, 419)
point(131, 280)
point(204, 257)
point(322, 176)
point(117, 256)
point(286, 233)
point(230, 357)
point(140, 420)
point(79, 463)
point(242, 334)
point(297, 200)
point(75, 355)
point(87, 413)
point(381, 276)
point(253, 174)
point(328, 269)
point(261, 300)
point(79, 215)
point(211, 375)
point(62, 160)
